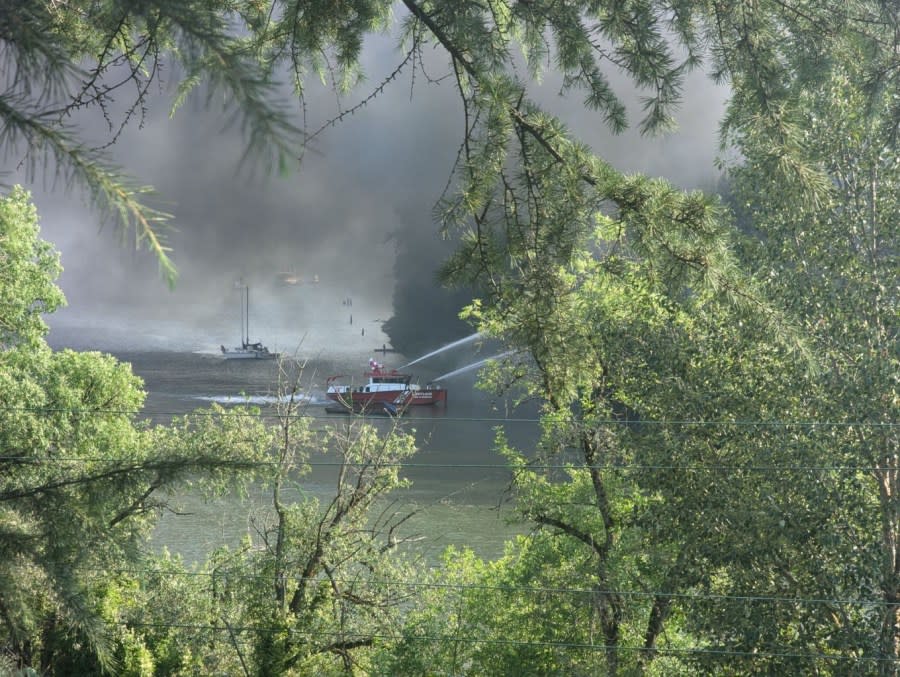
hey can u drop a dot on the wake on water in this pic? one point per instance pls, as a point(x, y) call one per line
point(259, 399)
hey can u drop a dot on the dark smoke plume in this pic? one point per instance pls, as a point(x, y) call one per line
point(355, 220)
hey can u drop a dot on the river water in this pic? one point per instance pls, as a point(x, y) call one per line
point(459, 484)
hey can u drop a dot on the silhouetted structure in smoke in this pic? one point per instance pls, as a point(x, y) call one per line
point(426, 315)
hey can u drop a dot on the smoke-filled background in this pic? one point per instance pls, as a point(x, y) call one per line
point(330, 252)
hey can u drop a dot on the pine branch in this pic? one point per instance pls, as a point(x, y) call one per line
point(90, 168)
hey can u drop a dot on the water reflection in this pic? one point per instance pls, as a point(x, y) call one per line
point(459, 483)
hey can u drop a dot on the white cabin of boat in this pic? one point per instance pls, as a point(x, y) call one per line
point(380, 383)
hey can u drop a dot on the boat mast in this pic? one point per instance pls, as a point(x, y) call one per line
point(245, 311)
point(247, 317)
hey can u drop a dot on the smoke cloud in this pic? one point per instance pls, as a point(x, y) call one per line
point(330, 252)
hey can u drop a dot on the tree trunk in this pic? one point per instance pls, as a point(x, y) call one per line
point(609, 604)
point(889, 640)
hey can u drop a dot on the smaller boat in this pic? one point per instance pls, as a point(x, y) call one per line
point(247, 350)
point(384, 386)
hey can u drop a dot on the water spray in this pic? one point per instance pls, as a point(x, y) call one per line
point(449, 346)
point(474, 365)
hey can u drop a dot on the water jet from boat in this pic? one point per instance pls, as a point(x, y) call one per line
point(449, 346)
point(474, 365)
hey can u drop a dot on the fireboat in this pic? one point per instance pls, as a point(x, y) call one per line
point(383, 387)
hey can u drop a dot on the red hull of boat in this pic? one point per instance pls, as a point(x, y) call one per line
point(403, 398)
point(384, 386)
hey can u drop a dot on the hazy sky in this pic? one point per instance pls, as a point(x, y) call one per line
point(375, 176)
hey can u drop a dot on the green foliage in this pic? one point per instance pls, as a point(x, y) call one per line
point(28, 270)
point(175, 615)
point(833, 262)
point(625, 301)
point(531, 612)
point(84, 480)
point(312, 590)
point(629, 308)
point(81, 477)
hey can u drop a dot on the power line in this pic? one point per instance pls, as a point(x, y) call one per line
point(465, 587)
point(667, 467)
point(456, 639)
point(449, 419)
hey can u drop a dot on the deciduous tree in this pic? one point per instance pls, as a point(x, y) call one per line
point(833, 261)
point(82, 475)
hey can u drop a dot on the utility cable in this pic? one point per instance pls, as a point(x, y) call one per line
point(518, 467)
point(449, 419)
point(465, 587)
